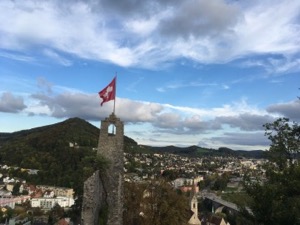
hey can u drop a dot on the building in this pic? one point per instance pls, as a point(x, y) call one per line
point(194, 220)
point(57, 191)
point(49, 203)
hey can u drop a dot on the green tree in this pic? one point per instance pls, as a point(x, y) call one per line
point(276, 201)
point(56, 213)
point(132, 203)
point(155, 203)
point(16, 189)
point(221, 182)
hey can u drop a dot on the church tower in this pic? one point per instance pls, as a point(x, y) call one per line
point(110, 145)
point(194, 220)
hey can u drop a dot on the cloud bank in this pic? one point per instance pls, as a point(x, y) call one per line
point(151, 33)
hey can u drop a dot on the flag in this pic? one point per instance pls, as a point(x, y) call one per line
point(109, 92)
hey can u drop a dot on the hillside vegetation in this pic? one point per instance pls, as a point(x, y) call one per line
point(64, 153)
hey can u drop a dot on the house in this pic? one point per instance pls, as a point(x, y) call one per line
point(189, 188)
point(215, 220)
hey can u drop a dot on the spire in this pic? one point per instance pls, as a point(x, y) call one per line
point(194, 220)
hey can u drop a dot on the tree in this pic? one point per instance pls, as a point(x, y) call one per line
point(132, 203)
point(155, 203)
point(16, 189)
point(285, 141)
point(277, 200)
point(221, 182)
point(56, 213)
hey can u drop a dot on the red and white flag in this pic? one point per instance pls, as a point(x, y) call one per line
point(109, 92)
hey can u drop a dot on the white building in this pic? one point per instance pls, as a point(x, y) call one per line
point(48, 203)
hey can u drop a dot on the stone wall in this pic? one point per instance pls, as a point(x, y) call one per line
point(93, 199)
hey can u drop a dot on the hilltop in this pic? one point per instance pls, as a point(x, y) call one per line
point(64, 153)
point(31, 148)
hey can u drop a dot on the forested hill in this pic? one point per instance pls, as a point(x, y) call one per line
point(64, 153)
point(71, 131)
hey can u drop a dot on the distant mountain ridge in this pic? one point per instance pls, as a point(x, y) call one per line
point(197, 151)
point(83, 133)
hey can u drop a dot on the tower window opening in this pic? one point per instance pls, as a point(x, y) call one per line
point(112, 129)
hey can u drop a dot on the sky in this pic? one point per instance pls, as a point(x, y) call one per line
point(189, 72)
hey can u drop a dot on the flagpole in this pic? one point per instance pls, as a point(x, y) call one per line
point(115, 95)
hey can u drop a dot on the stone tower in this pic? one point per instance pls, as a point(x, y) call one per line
point(110, 146)
point(103, 191)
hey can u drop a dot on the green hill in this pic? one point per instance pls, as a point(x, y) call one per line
point(64, 153)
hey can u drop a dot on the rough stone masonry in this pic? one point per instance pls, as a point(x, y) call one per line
point(104, 190)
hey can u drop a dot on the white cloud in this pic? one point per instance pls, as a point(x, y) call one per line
point(17, 57)
point(178, 84)
point(152, 33)
point(275, 64)
point(56, 57)
point(141, 27)
point(269, 27)
point(163, 122)
point(10, 103)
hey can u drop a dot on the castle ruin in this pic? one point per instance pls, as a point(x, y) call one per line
point(103, 191)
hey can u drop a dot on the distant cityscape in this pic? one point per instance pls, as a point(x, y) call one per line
point(184, 173)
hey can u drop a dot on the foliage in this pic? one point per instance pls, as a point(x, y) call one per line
point(16, 189)
point(6, 214)
point(221, 182)
point(239, 198)
point(277, 199)
point(285, 141)
point(55, 214)
point(103, 215)
point(154, 203)
point(48, 150)
point(171, 174)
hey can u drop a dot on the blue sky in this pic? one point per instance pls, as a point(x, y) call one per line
point(193, 72)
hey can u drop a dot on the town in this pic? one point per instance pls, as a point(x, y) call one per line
point(182, 172)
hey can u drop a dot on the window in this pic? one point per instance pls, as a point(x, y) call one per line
point(112, 129)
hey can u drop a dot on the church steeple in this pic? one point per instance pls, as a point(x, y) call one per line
point(194, 220)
